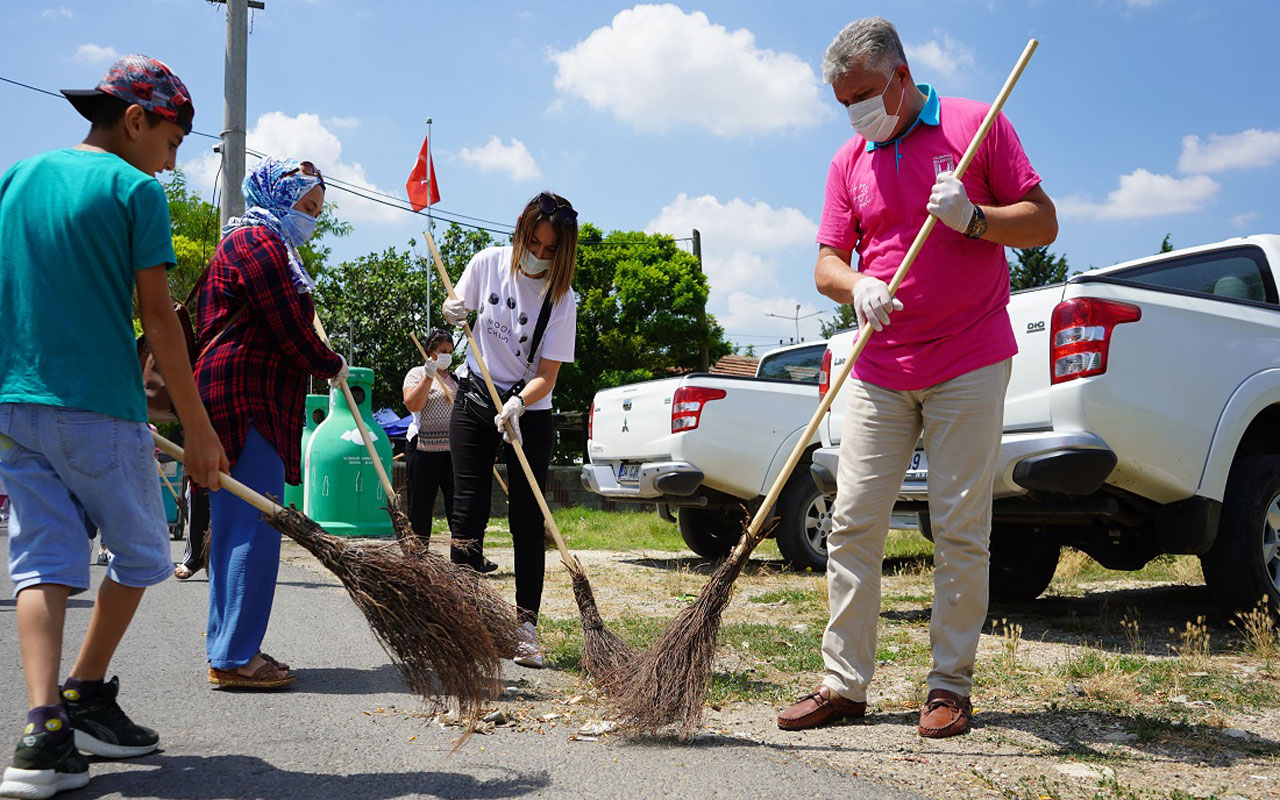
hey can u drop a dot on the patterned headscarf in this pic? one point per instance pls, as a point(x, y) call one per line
point(270, 190)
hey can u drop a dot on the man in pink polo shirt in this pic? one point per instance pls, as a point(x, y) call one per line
point(937, 364)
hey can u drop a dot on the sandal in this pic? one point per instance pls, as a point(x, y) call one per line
point(280, 665)
point(267, 676)
point(182, 571)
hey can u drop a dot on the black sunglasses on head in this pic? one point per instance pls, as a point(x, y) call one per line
point(309, 169)
point(552, 208)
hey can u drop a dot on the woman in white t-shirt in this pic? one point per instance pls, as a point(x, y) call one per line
point(428, 394)
point(525, 328)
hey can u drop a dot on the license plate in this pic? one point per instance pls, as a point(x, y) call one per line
point(918, 468)
point(628, 473)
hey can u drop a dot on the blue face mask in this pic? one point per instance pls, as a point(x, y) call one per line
point(298, 226)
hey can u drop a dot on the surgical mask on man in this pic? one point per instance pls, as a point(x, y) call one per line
point(534, 266)
point(298, 226)
point(870, 120)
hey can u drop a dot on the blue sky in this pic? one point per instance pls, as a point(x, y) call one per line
point(1143, 117)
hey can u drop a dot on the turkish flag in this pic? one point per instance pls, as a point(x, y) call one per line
point(423, 191)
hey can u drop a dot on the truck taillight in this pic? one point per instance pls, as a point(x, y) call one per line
point(687, 405)
point(824, 374)
point(1080, 336)
point(591, 420)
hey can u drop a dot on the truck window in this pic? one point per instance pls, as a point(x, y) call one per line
point(1241, 274)
point(798, 366)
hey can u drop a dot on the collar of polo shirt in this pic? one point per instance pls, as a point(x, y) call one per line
point(929, 115)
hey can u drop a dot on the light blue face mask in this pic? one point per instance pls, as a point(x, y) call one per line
point(298, 226)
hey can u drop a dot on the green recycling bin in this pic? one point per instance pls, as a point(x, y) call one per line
point(341, 490)
point(317, 410)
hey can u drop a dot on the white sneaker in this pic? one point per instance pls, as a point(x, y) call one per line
point(528, 652)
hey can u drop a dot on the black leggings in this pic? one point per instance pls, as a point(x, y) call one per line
point(429, 472)
point(474, 444)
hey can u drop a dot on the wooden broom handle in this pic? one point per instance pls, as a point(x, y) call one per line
point(552, 528)
point(865, 333)
point(448, 395)
point(392, 500)
point(263, 504)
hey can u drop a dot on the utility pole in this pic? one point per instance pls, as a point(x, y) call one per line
point(796, 316)
point(235, 82)
point(704, 354)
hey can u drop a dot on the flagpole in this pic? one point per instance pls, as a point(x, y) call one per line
point(430, 226)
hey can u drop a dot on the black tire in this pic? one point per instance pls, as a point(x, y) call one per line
point(710, 532)
point(1243, 566)
point(1023, 561)
point(804, 522)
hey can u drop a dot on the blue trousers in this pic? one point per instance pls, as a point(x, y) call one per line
point(244, 558)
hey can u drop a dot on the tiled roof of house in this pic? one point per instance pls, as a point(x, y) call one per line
point(736, 365)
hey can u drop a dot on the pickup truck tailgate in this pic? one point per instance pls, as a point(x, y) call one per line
point(633, 423)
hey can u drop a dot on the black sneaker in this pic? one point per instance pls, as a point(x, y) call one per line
point(102, 728)
point(42, 768)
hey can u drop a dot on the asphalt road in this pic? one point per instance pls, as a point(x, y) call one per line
point(327, 739)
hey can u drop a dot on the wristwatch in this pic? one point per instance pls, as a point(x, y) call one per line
point(977, 224)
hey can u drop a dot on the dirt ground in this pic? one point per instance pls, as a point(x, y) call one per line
point(1105, 689)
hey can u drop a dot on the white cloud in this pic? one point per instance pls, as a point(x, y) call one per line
point(1140, 3)
point(944, 56)
point(748, 313)
point(61, 12)
point(1145, 194)
point(736, 224)
point(343, 122)
point(1242, 221)
point(305, 136)
point(513, 159)
point(1251, 149)
point(95, 55)
point(657, 67)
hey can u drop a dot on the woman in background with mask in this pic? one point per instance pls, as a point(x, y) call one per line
point(258, 350)
point(526, 327)
point(428, 394)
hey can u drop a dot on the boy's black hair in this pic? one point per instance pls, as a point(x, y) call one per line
point(109, 110)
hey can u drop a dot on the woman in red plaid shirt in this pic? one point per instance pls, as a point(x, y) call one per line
point(255, 323)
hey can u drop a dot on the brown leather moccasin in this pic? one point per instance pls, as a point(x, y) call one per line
point(820, 707)
point(945, 714)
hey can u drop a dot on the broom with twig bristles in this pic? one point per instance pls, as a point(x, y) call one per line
point(436, 621)
point(604, 653)
point(668, 682)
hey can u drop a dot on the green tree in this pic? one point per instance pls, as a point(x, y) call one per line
point(844, 318)
point(1036, 266)
point(1167, 244)
point(383, 296)
point(640, 314)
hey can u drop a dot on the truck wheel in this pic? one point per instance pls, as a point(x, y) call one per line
point(805, 521)
point(1023, 561)
point(710, 532)
point(1243, 566)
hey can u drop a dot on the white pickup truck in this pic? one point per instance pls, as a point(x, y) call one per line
point(1142, 417)
point(710, 445)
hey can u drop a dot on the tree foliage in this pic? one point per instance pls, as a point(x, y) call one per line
point(641, 314)
point(844, 318)
point(1036, 266)
point(1166, 245)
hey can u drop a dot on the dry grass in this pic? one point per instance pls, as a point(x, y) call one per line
point(1258, 628)
point(1071, 565)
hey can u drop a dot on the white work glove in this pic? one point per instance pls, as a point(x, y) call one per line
point(455, 311)
point(430, 367)
point(871, 302)
point(949, 203)
point(343, 371)
point(511, 411)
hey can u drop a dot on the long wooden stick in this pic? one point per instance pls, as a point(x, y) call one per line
point(263, 504)
point(864, 334)
point(448, 395)
point(553, 530)
point(393, 501)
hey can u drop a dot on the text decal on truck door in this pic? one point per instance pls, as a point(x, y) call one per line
point(1035, 327)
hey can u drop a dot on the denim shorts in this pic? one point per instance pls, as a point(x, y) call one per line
point(69, 472)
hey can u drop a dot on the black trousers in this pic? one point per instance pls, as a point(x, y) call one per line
point(197, 526)
point(474, 444)
point(429, 472)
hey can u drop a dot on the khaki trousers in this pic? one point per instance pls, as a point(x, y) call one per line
point(961, 421)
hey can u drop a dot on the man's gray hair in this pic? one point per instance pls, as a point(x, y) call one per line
point(872, 42)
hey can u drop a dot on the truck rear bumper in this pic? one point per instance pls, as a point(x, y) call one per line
point(657, 479)
point(1073, 462)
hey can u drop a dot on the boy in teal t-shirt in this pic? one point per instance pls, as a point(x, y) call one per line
point(81, 231)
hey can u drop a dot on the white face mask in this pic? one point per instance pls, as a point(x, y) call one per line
point(443, 360)
point(534, 266)
point(870, 120)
